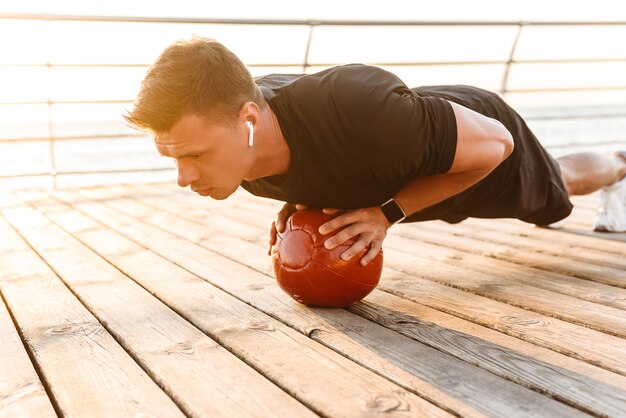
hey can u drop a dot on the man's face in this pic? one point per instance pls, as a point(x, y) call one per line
point(211, 158)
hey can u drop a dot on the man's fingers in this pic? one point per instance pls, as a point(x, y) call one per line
point(331, 211)
point(279, 224)
point(281, 221)
point(272, 233)
point(371, 254)
point(272, 238)
point(282, 216)
point(336, 223)
point(354, 249)
point(343, 236)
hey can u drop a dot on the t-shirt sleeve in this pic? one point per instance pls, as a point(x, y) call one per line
point(403, 134)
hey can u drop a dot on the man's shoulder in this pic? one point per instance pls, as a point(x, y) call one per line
point(348, 76)
point(340, 77)
point(276, 81)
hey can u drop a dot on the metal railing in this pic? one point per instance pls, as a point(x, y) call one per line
point(312, 25)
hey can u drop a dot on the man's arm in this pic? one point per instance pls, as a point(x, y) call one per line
point(482, 144)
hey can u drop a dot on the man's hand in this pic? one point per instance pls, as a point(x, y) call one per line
point(281, 219)
point(369, 224)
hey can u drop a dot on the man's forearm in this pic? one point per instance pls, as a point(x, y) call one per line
point(422, 192)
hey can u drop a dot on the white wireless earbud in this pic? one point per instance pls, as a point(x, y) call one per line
point(250, 133)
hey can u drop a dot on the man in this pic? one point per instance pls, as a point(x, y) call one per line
point(355, 139)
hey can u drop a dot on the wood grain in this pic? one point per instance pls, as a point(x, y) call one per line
point(21, 392)
point(518, 368)
point(189, 232)
point(88, 373)
point(327, 382)
point(198, 373)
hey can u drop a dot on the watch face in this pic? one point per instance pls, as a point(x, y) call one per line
point(392, 211)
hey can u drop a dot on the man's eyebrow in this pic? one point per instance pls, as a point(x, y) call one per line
point(168, 148)
point(160, 146)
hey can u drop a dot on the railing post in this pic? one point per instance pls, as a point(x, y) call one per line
point(505, 77)
point(305, 64)
point(53, 165)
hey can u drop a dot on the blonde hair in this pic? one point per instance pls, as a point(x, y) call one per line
point(198, 76)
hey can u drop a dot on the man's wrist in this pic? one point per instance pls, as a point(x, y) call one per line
point(393, 211)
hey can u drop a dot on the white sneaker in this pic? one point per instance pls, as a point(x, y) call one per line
point(611, 215)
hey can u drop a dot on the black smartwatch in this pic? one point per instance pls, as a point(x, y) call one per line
point(392, 211)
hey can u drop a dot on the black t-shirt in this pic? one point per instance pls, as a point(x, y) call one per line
point(357, 134)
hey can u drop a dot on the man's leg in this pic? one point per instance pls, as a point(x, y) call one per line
point(586, 172)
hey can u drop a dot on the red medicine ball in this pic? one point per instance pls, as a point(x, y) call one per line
point(315, 276)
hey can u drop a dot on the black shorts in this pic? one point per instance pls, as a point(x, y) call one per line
point(527, 185)
point(555, 204)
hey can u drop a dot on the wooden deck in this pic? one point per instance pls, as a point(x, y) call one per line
point(150, 301)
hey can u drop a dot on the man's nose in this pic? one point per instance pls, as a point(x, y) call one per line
point(187, 173)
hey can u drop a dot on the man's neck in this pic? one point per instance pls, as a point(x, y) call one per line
point(273, 154)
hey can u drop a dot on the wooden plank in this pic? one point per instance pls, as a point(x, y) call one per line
point(570, 339)
point(602, 274)
point(592, 292)
point(504, 287)
point(227, 214)
point(469, 256)
point(88, 373)
point(189, 232)
point(555, 282)
point(587, 232)
point(538, 244)
point(567, 327)
point(327, 382)
point(545, 370)
point(8, 199)
point(21, 392)
point(515, 227)
point(600, 317)
point(548, 372)
point(198, 373)
point(588, 313)
point(409, 258)
point(560, 248)
point(270, 207)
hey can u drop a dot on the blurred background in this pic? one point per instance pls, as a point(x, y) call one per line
point(69, 69)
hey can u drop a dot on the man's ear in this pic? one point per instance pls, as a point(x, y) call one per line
point(250, 112)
